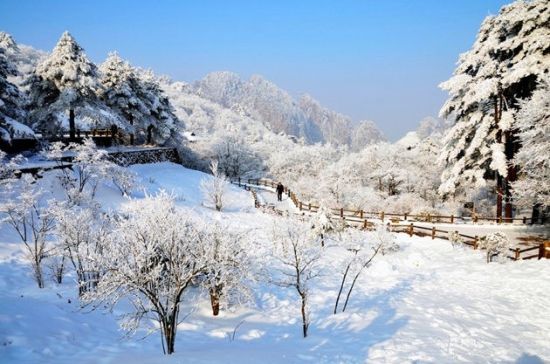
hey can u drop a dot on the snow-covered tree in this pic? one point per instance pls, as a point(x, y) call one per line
point(228, 267)
point(90, 167)
point(162, 126)
point(81, 236)
point(297, 258)
point(121, 91)
point(533, 123)
point(11, 99)
point(66, 81)
point(25, 211)
point(154, 255)
point(508, 56)
point(214, 188)
point(236, 159)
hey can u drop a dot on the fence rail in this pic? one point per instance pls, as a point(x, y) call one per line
point(359, 219)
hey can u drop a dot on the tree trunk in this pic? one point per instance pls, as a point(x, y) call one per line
point(305, 323)
point(341, 288)
point(215, 300)
point(72, 127)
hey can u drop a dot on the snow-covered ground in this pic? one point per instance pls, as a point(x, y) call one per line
point(427, 303)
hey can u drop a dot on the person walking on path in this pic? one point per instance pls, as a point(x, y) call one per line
point(280, 190)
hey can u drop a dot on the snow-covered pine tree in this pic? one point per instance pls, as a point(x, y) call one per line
point(11, 112)
point(122, 91)
point(508, 56)
point(533, 123)
point(162, 126)
point(66, 81)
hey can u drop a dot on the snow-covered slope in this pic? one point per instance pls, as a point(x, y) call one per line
point(428, 303)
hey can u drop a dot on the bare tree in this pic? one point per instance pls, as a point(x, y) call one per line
point(361, 253)
point(214, 188)
point(298, 257)
point(32, 221)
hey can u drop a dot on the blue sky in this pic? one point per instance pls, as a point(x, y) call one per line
point(379, 60)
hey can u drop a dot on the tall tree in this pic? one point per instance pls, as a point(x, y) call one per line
point(533, 123)
point(10, 100)
point(121, 90)
point(66, 81)
point(509, 55)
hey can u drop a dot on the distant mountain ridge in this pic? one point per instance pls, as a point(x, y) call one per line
point(304, 118)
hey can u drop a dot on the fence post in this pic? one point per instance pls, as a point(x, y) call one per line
point(239, 181)
point(341, 212)
point(405, 216)
point(475, 218)
point(433, 232)
point(365, 224)
point(452, 219)
point(429, 218)
point(382, 216)
point(411, 229)
point(475, 242)
point(361, 213)
point(516, 254)
point(300, 206)
point(524, 220)
point(288, 193)
point(309, 206)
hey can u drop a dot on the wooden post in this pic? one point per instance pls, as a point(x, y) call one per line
point(429, 218)
point(239, 181)
point(524, 220)
point(452, 219)
point(516, 254)
point(300, 206)
point(405, 217)
point(411, 229)
point(475, 242)
point(309, 206)
point(361, 214)
point(433, 232)
point(341, 212)
point(382, 215)
point(365, 224)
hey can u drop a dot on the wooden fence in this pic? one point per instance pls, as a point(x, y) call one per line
point(360, 219)
point(394, 217)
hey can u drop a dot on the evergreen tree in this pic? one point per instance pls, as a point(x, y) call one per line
point(162, 126)
point(533, 123)
point(67, 81)
point(121, 92)
point(508, 56)
point(11, 112)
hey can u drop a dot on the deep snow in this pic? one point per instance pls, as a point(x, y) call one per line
point(427, 303)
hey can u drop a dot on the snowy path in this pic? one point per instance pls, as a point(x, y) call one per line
point(513, 232)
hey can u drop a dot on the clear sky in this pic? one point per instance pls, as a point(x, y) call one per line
point(379, 60)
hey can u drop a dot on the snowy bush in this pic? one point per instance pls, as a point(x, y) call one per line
point(455, 239)
point(214, 188)
point(496, 244)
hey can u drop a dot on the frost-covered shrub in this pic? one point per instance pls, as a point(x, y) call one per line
point(496, 244)
point(455, 239)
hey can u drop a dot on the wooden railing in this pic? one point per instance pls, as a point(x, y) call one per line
point(360, 219)
point(346, 212)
